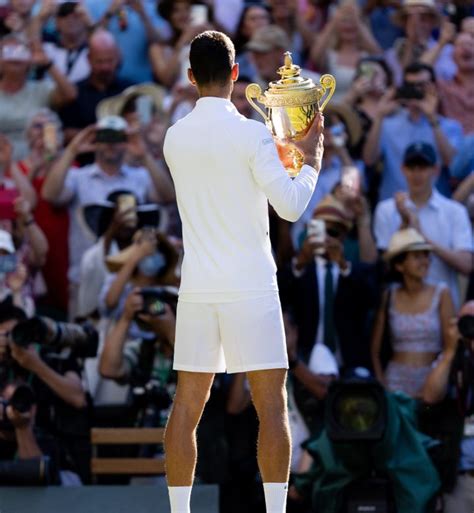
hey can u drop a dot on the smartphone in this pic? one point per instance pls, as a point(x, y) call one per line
point(317, 230)
point(7, 197)
point(199, 14)
point(128, 202)
point(144, 107)
point(367, 70)
point(350, 180)
point(16, 52)
point(338, 135)
point(7, 263)
point(50, 138)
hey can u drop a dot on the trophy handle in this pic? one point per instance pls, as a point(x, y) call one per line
point(254, 91)
point(329, 86)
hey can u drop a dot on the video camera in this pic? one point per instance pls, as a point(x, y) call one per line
point(82, 339)
point(22, 401)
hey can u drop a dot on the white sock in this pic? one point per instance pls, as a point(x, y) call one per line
point(275, 497)
point(180, 499)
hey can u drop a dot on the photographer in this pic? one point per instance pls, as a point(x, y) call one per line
point(409, 113)
point(147, 361)
point(448, 390)
point(53, 374)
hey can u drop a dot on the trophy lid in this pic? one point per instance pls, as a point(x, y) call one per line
point(292, 87)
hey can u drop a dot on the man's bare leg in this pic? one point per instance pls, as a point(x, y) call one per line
point(191, 396)
point(274, 439)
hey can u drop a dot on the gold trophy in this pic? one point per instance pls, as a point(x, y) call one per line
point(292, 103)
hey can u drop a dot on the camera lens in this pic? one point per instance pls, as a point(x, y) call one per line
point(466, 326)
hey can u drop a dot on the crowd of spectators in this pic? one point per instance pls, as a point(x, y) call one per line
point(383, 257)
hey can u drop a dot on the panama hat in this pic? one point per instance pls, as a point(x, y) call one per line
point(350, 119)
point(398, 16)
point(406, 240)
point(114, 105)
point(331, 209)
point(115, 262)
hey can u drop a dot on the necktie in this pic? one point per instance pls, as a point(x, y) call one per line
point(329, 328)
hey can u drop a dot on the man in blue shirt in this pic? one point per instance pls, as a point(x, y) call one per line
point(414, 120)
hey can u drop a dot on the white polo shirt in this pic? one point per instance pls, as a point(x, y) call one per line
point(225, 167)
point(442, 220)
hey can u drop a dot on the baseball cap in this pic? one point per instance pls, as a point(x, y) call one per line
point(111, 129)
point(6, 242)
point(420, 153)
point(268, 38)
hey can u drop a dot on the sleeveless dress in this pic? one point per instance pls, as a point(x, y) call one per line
point(415, 333)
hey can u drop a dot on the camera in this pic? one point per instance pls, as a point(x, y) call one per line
point(22, 401)
point(408, 91)
point(82, 339)
point(466, 326)
point(155, 300)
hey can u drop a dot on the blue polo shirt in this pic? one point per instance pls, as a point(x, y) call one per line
point(397, 133)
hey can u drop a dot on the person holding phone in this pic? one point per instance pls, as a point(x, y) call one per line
point(169, 60)
point(229, 315)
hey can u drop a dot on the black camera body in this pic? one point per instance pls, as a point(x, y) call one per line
point(155, 300)
point(409, 91)
point(22, 401)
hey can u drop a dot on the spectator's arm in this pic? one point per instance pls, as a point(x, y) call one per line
point(112, 363)
point(460, 260)
point(367, 249)
point(460, 257)
point(436, 384)
point(317, 384)
point(371, 150)
point(28, 447)
point(64, 92)
point(377, 339)
point(465, 189)
point(165, 66)
point(446, 150)
point(139, 8)
point(35, 235)
point(447, 34)
point(318, 52)
point(55, 181)
point(446, 313)
point(23, 186)
point(67, 387)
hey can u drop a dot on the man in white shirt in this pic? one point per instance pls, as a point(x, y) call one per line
point(225, 169)
point(443, 222)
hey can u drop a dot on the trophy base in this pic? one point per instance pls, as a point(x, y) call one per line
point(298, 160)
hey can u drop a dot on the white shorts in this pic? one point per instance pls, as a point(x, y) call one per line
point(239, 336)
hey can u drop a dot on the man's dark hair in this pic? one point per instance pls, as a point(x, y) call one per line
point(416, 67)
point(212, 56)
point(10, 312)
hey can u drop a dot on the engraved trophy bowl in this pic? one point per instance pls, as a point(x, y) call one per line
point(291, 105)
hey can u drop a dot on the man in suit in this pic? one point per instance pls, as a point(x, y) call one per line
point(331, 300)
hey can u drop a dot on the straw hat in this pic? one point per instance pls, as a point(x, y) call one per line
point(398, 16)
point(114, 105)
point(350, 119)
point(268, 38)
point(331, 209)
point(406, 240)
point(115, 262)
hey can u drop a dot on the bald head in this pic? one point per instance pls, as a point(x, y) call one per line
point(104, 57)
point(467, 309)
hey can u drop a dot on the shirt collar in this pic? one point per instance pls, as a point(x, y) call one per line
point(214, 104)
point(98, 173)
point(434, 201)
